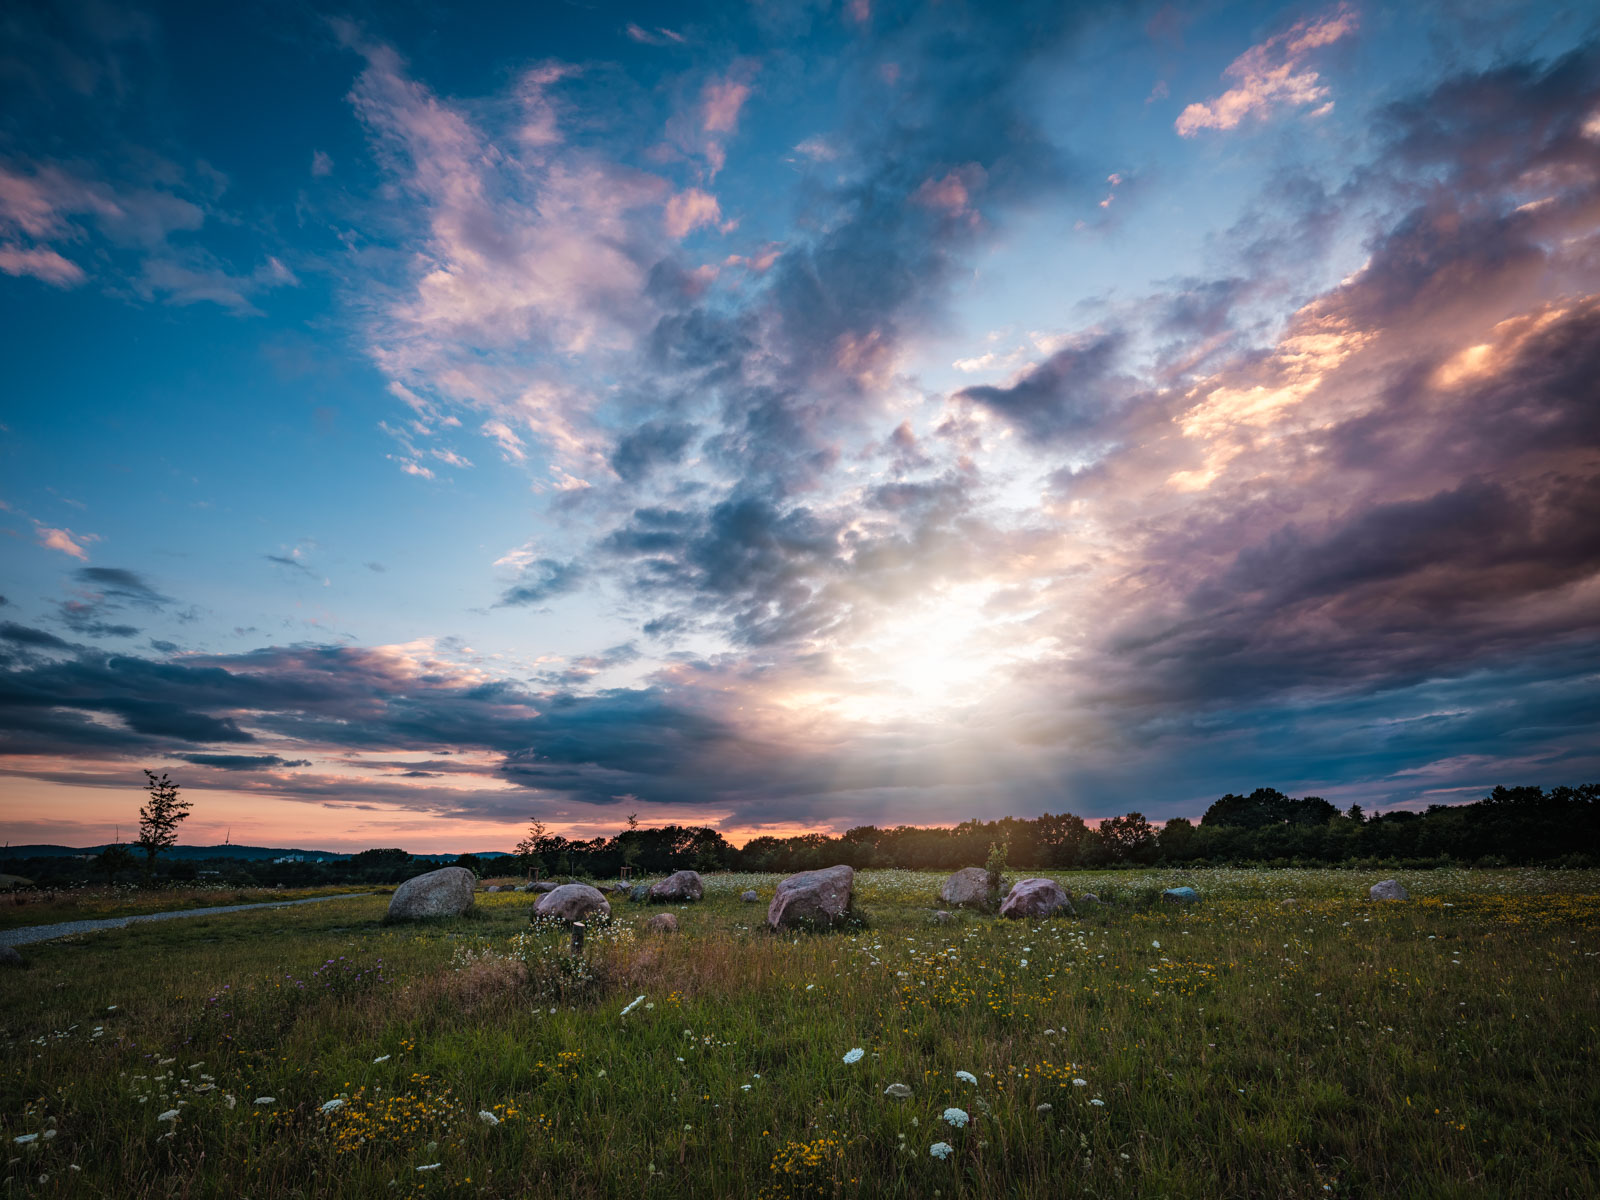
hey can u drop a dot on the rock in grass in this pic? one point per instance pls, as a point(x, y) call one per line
point(677, 888)
point(941, 917)
point(9, 957)
point(1034, 899)
point(446, 892)
point(968, 887)
point(639, 893)
point(573, 902)
point(544, 886)
point(813, 898)
point(1388, 889)
point(1088, 898)
point(662, 923)
point(749, 896)
point(1180, 895)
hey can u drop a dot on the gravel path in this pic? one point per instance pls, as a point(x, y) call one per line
point(43, 933)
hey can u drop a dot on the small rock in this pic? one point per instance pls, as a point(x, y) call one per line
point(446, 892)
point(1289, 903)
point(9, 957)
point(967, 887)
point(677, 888)
point(662, 923)
point(572, 902)
point(1088, 898)
point(1388, 889)
point(941, 917)
point(749, 896)
point(493, 887)
point(1180, 895)
point(639, 893)
point(1035, 899)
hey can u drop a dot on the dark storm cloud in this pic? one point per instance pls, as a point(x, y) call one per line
point(543, 579)
point(121, 585)
point(652, 444)
point(243, 762)
point(1069, 395)
point(21, 635)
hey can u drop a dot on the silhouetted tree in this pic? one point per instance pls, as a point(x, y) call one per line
point(159, 817)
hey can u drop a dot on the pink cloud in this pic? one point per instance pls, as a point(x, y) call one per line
point(721, 102)
point(689, 210)
point(953, 193)
point(66, 541)
point(46, 265)
point(1270, 75)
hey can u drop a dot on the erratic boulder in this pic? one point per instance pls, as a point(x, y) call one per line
point(493, 887)
point(968, 887)
point(544, 886)
point(9, 957)
point(1088, 898)
point(639, 893)
point(940, 917)
point(572, 902)
point(812, 898)
point(662, 923)
point(749, 896)
point(1034, 899)
point(1389, 889)
point(676, 888)
point(1180, 895)
point(446, 892)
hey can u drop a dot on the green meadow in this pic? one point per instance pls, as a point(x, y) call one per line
point(1285, 1036)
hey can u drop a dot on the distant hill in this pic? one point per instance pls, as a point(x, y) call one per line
point(247, 853)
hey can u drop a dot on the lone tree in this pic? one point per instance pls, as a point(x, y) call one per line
point(528, 848)
point(158, 820)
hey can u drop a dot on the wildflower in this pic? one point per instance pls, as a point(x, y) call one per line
point(25, 1139)
point(898, 1090)
point(956, 1117)
point(744, 1087)
point(431, 1167)
point(381, 1058)
point(967, 1076)
point(332, 1104)
point(1080, 1083)
point(1097, 1102)
point(488, 1118)
point(637, 1000)
point(852, 1056)
point(1044, 1108)
point(266, 1099)
point(1157, 945)
point(170, 1115)
point(941, 1150)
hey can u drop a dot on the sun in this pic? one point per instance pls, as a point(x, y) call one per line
point(942, 653)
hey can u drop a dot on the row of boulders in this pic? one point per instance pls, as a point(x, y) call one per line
point(810, 899)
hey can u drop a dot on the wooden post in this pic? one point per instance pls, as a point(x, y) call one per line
point(577, 937)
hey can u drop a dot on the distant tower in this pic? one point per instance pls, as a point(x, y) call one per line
point(227, 838)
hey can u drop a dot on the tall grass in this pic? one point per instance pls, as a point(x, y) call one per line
point(1243, 1046)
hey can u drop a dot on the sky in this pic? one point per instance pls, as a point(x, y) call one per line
point(422, 419)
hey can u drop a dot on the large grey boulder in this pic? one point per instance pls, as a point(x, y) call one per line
point(446, 892)
point(1388, 889)
point(573, 902)
point(544, 886)
point(812, 898)
point(1034, 899)
point(662, 923)
point(677, 888)
point(749, 896)
point(967, 888)
point(1179, 895)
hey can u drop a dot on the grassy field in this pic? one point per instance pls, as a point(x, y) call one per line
point(19, 909)
point(1284, 1037)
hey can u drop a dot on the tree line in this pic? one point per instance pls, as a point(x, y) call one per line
point(1508, 827)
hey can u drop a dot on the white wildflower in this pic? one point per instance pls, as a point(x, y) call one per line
point(967, 1076)
point(898, 1090)
point(170, 1115)
point(381, 1058)
point(25, 1138)
point(1080, 1083)
point(1157, 945)
point(430, 1167)
point(488, 1118)
point(941, 1150)
point(266, 1099)
point(1097, 1102)
point(956, 1117)
point(332, 1104)
point(852, 1056)
point(637, 1000)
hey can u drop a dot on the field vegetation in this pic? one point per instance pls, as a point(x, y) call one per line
point(1285, 1036)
